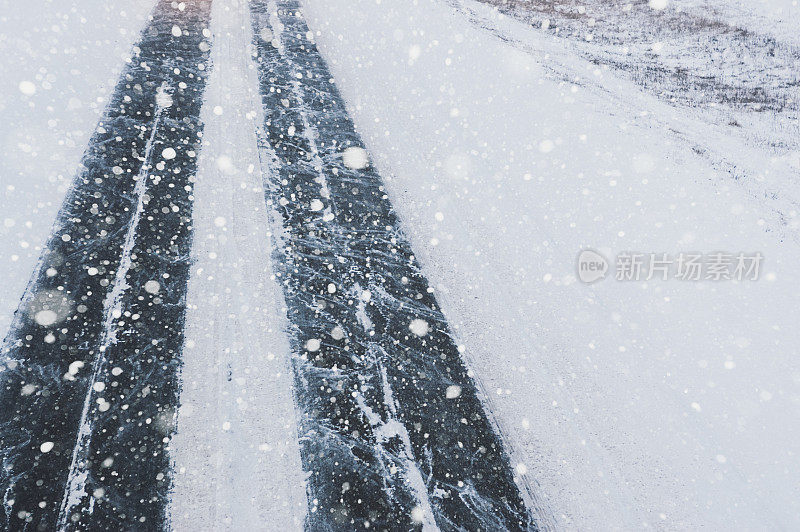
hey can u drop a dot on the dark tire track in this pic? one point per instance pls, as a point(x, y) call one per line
point(392, 430)
point(62, 368)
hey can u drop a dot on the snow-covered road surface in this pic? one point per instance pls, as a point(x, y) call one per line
point(391, 427)
point(659, 404)
point(392, 430)
point(333, 286)
point(236, 457)
point(90, 363)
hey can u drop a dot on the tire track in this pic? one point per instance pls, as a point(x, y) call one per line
point(89, 366)
point(392, 430)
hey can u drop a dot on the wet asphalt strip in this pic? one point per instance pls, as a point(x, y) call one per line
point(392, 431)
point(89, 368)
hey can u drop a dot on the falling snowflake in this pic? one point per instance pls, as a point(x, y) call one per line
point(419, 327)
point(355, 158)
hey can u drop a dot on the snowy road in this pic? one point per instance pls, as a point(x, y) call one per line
point(316, 269)
point(387, 408)
point(391, 427)
point(90, 389)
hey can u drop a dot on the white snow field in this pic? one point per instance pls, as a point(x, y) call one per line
point(626, 405)
point(779, 18)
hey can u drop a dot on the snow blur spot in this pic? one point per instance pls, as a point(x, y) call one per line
point(152, 287)
point(99, 386)
point(225, 164)
point(546, 146)
point(414, 51)
point(643, 163)
point(452, 391)
point(317, 205)
point(355, 158)
point(176, 31)
point(458, 166)
point(419, 327)
point(521, 469)
point(517, 63)
point(220, 221)
point(169, 153)
point(417, 514)
point(658, 5)
point(313, 344)
point(27, 88)
point(75, 367)
point(46, 317)
point(337, 333)
point(265, 34)
point(46, 447)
